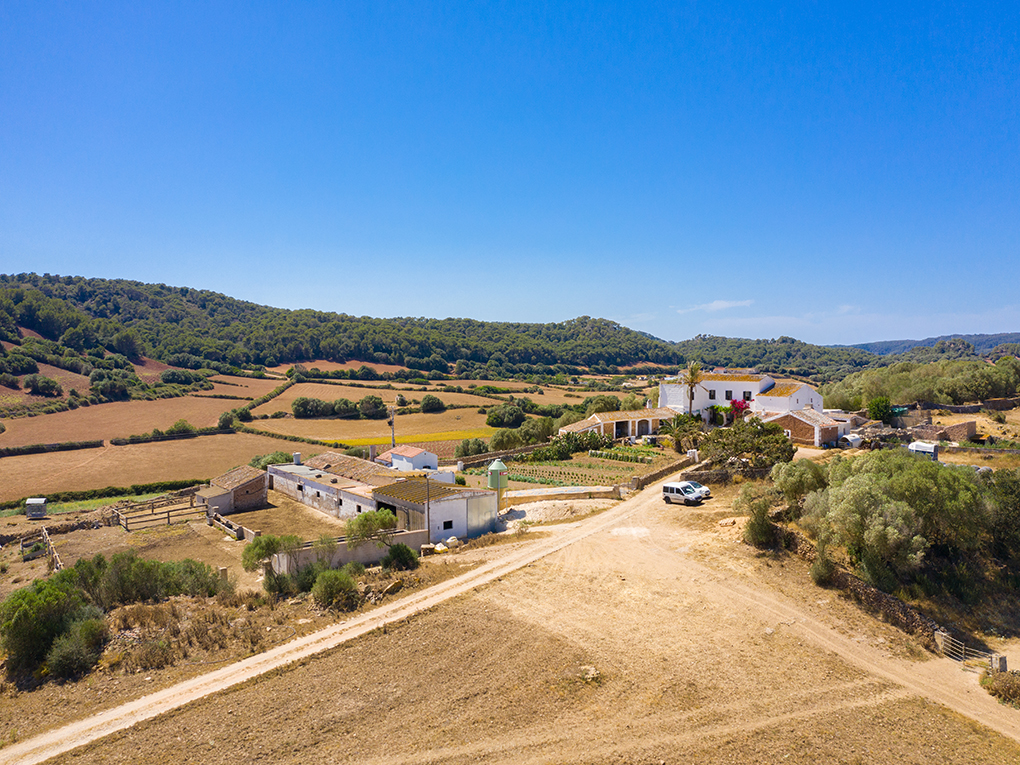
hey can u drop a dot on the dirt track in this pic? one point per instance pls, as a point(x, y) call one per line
point(622, 638)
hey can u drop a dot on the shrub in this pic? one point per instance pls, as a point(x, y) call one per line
point(43, 386)
point(400, 557)
point(33, 617)
point(460, 480)
point(276, 458)
point(181, 428)
point(470, 447)
point(78, 650)
point(335, 589)
point(505, 416)
point(756, 501)
point(354, 568)
point(226, 421)
point(432, 403)
point(1003, 685)
point(823, 568)
point(372, 408)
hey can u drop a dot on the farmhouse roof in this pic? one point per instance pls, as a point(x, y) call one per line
point(724, 377)
point(782, 390)
point(418, 491)
point(658, 413)
point(349, 467)
point(809, 416)
point(401, 451)
point(580, 426)
point(239, 476)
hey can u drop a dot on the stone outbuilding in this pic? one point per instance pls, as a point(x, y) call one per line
point(243, 488)
point(636, 422)
point(807, 427)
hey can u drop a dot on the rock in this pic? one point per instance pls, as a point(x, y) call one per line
point(393, 587)
point(728, 522)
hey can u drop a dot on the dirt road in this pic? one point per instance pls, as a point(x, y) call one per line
point(621, 637)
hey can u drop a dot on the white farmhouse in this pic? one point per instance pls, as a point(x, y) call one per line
point(761, 392)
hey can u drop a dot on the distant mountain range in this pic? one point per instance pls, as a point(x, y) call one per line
point(981, 343)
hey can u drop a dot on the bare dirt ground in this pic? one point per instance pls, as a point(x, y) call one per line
point(645, 633)
point(202, 458)
point(284, 515)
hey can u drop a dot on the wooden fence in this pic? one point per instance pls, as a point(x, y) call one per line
point(44, 546)
point(162, 511)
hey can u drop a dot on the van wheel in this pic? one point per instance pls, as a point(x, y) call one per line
point(668, 500)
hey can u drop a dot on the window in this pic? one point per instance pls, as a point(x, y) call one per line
point(711, 395)
point(747, 395)
point(300, 487)
point(447, 525)
point(317, 494)
point(729, 395)
point(359, 508)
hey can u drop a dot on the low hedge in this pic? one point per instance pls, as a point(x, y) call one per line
point(147, 438)
point(66, 446)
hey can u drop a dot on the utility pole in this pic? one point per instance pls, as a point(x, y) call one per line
point(393, 430)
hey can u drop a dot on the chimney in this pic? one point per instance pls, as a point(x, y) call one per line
point(297, 458)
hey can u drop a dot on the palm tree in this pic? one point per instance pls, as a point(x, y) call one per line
point(692, 377)
point(684, 429)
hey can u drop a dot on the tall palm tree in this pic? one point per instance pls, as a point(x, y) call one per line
point(692, 377)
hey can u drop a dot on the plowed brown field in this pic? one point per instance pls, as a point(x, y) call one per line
point(203, 457)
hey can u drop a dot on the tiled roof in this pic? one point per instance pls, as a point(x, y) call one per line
point(416, 490)
point(659, 413)
point(349, 467)
point(809, 416)
point(782, 390)
point(582, 425)
point(239, 476)
point(402, 451)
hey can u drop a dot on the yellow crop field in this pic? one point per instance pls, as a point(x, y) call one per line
point(417, 427)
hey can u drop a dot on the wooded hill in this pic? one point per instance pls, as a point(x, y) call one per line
point(193, 328)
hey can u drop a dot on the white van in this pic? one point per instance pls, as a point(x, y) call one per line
point(680, 491)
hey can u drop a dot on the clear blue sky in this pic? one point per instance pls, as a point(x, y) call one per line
point(838, 172)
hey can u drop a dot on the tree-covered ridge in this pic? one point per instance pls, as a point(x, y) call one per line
point(981, 343)
point(784, 355)
point(180, 320)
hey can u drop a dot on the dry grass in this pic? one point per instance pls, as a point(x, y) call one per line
point(115, 420)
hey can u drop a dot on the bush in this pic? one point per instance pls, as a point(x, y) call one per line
point(78, 650)
point(43, 386)
point(354, 568)
point(823, 568)
point(226, 421)
point(470, 447)
point(400, 557)
point(432, 403)
point(33, 617)
point(335, 589)
point(460, 480)
point(756, 501)
point(505, 416)
point(1003, 685)
point(276, 458)
point(372, 408)
point(181, 428)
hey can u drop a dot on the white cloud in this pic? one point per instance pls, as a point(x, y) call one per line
point(717, 305)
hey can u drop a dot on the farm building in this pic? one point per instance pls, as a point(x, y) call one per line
point(808, 427)
point(787, 397)
point(329, 492)
point(243, 488)
point(720, 388)
point(408, 458)
point(638, 422)
point(448, 511)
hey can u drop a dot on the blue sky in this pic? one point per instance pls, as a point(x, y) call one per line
point(839, 173)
